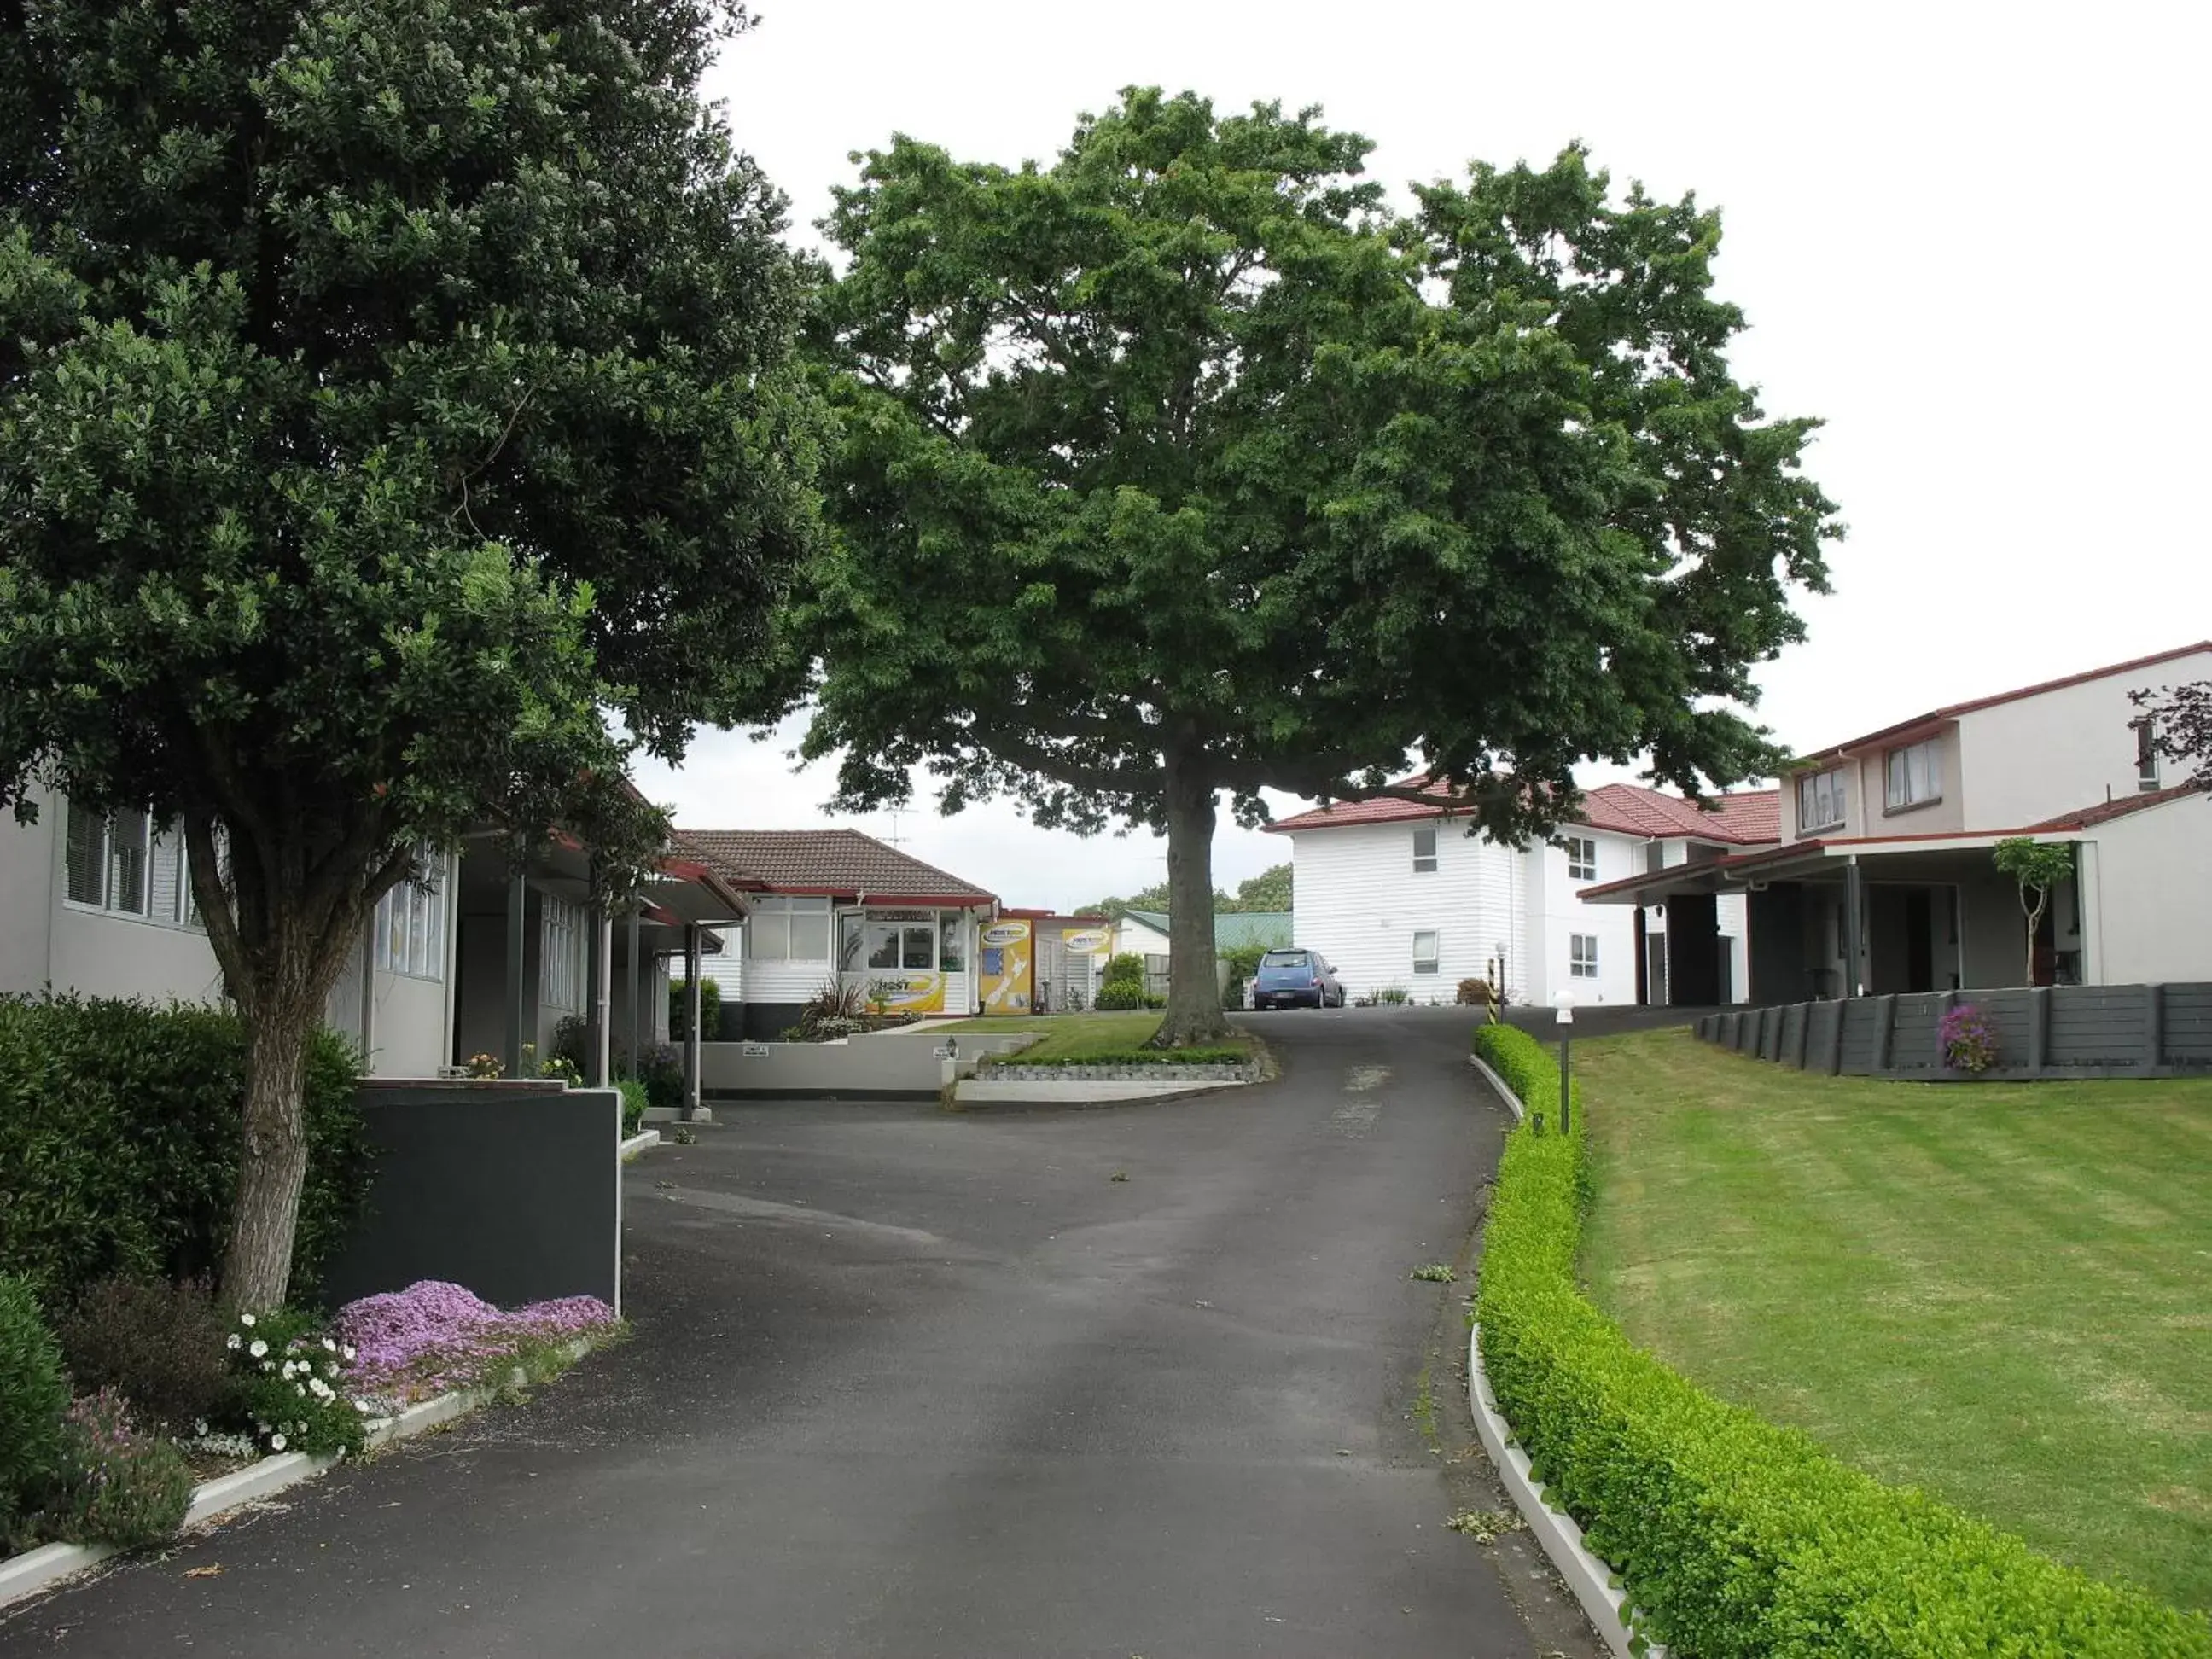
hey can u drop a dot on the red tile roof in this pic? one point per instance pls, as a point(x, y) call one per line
point(1938, 716)
point(1744, 818)
point(842, 863)
point(2106, 811)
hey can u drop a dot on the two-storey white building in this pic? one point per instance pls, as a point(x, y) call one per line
point(1398, 894)
point(1883, 879)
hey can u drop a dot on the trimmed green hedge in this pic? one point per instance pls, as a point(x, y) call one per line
point(119, 1137)
point(1739, 1539)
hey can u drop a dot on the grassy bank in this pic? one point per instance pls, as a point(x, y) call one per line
point(1997, 1293)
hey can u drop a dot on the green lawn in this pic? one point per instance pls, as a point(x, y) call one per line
point(2000, 1293)
point(1070, 1036)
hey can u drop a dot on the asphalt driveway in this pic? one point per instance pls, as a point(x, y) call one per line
point(907, 1384)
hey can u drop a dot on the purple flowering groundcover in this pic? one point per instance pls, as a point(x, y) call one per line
point(433, 1336)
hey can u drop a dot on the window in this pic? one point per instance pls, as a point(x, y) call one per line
point(1820, 801)
point(1425, 852)
point(411, 926)
point(786, 929)
point(116, 861)
point(1582, 955)
point(1425, 952)
point(1581, 858)
point(952, 958)
point(561, 954)
point(1916, 775)
point(2146, 733)
point(902, 945)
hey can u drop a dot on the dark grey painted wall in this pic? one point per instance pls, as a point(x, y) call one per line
point(510, 1190)
point(2066, 1031)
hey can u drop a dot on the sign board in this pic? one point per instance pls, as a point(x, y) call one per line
point(911, 993)
point(1087, 941)
point(1006, 981)
point(753, 1050)
point(945, 1051)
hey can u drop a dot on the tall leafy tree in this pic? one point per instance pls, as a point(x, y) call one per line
point(397, 429)
point(1268, 891)
point(1179, 466)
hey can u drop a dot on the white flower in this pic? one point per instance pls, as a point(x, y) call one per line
point(319, 1388)
point(328, 1347)
point(287, 1370)
point(258, 1348)
point(246, 1319)
point(362, 1406)
point(231, 1342)
point(332, 1369)
point(275, 1442)
point(348, 1350)
point(199, 1425)
point(299, 1389)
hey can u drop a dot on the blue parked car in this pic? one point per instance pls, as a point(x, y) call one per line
point(1291, 979)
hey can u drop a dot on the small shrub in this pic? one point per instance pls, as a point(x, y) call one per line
point(679, 1009)
point(32, 1395)
point(1152, 1000)
point(289, 1377)
point(159, 1345)
point(1119, 998)
point(572, 1039)
point(1475, 993)
point(434, 1336)
point(1970, 1042)
point(485, 1067)
point(1126, 969)
point(114, 1483)
point(835, 1001)
point(633, 1103)
point(659, 1067)
point(1392, 995)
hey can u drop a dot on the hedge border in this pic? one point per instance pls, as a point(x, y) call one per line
point(1734, 1537)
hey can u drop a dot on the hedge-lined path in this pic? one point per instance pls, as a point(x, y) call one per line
point(910, 1383)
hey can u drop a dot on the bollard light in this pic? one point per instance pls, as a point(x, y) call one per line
point(1565, 1003)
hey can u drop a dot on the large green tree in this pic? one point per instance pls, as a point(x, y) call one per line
point(1179, 465)
point(397, 429)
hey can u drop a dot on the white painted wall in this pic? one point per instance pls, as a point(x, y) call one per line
point(1360, 902)
point(2041, 757)
point(1131, 935)
point(2151, 915)
point(1557, 912)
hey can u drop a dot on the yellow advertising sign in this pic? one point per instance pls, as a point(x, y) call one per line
point(908, 994)
point(1005, 981)
point(1087, 941)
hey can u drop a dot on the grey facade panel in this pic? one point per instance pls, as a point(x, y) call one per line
point(2189, 1024)
point(513, 1192)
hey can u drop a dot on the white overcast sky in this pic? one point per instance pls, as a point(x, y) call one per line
point(1970, 237)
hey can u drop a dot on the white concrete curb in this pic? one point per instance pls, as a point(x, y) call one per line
point(43, 1568)
point(1591, 1580)
point(637, 1143)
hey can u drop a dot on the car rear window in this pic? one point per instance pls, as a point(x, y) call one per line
point(1287, 959)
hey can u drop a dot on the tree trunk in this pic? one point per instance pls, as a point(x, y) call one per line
point(1194, 1017)
point(273, 1162)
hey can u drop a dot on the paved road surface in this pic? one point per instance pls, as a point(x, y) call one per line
point(912, 1384)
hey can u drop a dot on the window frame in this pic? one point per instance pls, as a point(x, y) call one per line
point(2146, 731)
point(1808, 790)
point(1435, 936)
point(1582, 955)
point(1580, 868)
point(1898, 797)
point(1425, 864)
point(157, 863)
point(411, 925)
point(559, 952)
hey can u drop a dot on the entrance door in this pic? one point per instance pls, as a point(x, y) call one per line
point(1654, 968)
point(1919, 938)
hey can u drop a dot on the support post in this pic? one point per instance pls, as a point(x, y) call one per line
point(632, 1050)
point(1566, 1080)
point(1854, 928)
point(595, 968)
point(691, 1033)
point(518, 897)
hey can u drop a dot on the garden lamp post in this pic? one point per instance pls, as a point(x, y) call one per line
point(1564, 1002)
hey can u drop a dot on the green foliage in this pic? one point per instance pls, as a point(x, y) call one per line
point(659, 1067)
point(33, 1394)
point(112, 1484)
point(159, 1345)
point(1268, 891)
point(710, 1010)
point(1241, 962)
point(1739, 1539)
point(391, 393)
point(1126, 968)
point(572, 1038)
point(287, 1386)
point(635, 1100)
point(2037, 866)
point(1178, 465)
point(1394, 996)
point(119, 1143)
point(1121, 997)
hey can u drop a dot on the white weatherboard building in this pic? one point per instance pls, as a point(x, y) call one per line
point(1397, 893)
point(1882, 878)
